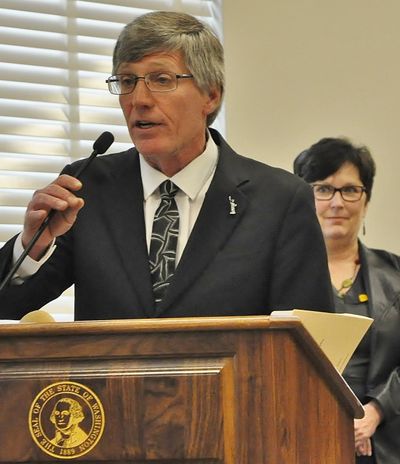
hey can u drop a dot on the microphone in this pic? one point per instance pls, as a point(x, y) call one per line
point(100, 146)
point(103, 143)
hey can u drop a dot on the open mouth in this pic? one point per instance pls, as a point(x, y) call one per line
point(145, 124)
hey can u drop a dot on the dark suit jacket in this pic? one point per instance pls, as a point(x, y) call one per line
point(270, 255)
point(381, 272)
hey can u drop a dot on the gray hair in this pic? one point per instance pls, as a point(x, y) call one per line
point(167, 31)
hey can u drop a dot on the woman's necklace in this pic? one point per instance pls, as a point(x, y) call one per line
point(347, 283)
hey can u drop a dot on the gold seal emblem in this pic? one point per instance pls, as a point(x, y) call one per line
point(66, 420)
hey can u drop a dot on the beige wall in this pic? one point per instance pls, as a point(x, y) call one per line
point(300, 70)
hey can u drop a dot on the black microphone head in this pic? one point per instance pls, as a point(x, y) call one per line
point(103, 143)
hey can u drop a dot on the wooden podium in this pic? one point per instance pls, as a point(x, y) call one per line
point(237, 390)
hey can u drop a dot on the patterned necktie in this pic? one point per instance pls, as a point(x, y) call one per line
point(164, 239)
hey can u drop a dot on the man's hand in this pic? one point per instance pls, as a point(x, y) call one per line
point(58, 196)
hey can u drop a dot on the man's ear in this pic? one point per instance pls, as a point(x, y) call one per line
point(214, 99)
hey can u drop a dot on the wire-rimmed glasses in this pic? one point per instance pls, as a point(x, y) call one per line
point(160, 81)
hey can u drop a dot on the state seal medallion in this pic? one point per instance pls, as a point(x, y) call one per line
point(66, 420)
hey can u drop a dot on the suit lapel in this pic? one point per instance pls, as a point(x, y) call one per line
point(222, 210)
point(378, 284)
point(217, 220)
point(124, 207)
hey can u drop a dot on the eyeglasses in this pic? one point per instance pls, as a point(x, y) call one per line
point(122, 84)
point(348, 192)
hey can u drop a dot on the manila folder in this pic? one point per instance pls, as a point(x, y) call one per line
point(337, 334)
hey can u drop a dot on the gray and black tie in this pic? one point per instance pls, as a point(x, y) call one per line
point(164, 240)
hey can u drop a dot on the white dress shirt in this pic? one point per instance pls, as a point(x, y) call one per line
point(193, 182)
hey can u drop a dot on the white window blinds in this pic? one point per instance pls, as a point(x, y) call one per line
point(54, 58)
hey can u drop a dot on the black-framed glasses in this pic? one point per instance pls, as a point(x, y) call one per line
point(160, 81)
point(326, 192)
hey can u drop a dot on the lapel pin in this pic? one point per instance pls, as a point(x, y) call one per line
point(233, 205)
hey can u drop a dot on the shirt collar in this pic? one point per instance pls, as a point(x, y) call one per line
point(190, 179)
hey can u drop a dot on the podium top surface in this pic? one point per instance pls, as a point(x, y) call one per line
point(144, 325)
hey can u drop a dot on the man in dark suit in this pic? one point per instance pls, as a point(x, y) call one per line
point(246, 240)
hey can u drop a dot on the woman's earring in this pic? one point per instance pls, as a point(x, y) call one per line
point(363, 230)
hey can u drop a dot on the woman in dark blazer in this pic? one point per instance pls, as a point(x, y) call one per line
point(365, 282)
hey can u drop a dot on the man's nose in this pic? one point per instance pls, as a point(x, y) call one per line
point(141, 93)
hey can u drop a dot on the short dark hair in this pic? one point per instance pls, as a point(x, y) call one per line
point(328, 155)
